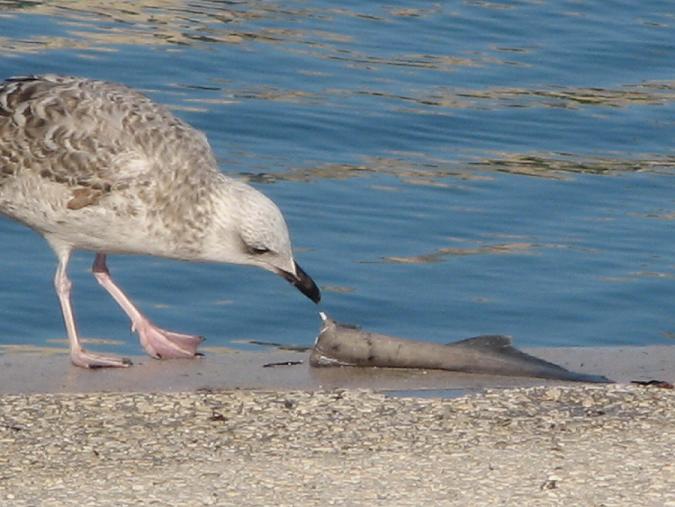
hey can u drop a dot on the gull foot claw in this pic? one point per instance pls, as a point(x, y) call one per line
point(86, 359)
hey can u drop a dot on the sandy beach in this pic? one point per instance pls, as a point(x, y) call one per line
point(533, 444)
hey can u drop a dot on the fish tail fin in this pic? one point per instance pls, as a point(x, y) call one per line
point(501, 345)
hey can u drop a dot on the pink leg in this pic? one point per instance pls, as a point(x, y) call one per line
point(157, 342)
point(78, 355)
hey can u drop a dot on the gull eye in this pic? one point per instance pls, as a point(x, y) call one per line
point(257, 250)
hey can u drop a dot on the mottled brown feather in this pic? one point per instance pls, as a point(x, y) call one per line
point(101, 136)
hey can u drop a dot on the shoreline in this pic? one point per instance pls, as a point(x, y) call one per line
point(53, 373)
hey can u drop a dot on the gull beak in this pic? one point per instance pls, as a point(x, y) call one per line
point(303, 282)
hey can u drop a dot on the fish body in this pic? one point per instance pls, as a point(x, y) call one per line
point(343, 345)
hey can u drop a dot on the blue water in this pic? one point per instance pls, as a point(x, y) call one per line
point(446, 169)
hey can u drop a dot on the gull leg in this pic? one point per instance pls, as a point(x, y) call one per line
point(78, 355)
point(157, 342)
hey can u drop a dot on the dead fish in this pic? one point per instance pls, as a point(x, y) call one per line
point(344, 345)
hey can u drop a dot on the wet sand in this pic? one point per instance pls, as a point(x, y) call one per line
point(52, 373)
point(226, 431)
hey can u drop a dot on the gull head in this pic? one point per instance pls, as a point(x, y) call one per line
point(250, 229)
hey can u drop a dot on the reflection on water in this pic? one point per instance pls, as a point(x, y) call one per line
point(439, 254)
point(648, 93)
point(556, 165)
point(100, 25)
point(88, 341)
point(638, 275)
point(31, 349)
point(434, 172)
point(396, 167)
point(447, 169)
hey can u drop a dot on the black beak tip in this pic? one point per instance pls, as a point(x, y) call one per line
point(314, 294)
point(304, 283)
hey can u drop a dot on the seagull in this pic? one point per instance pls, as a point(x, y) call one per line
point(96, 166)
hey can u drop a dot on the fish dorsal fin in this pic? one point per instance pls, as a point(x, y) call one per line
point(490, 342)
point(501, 346)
